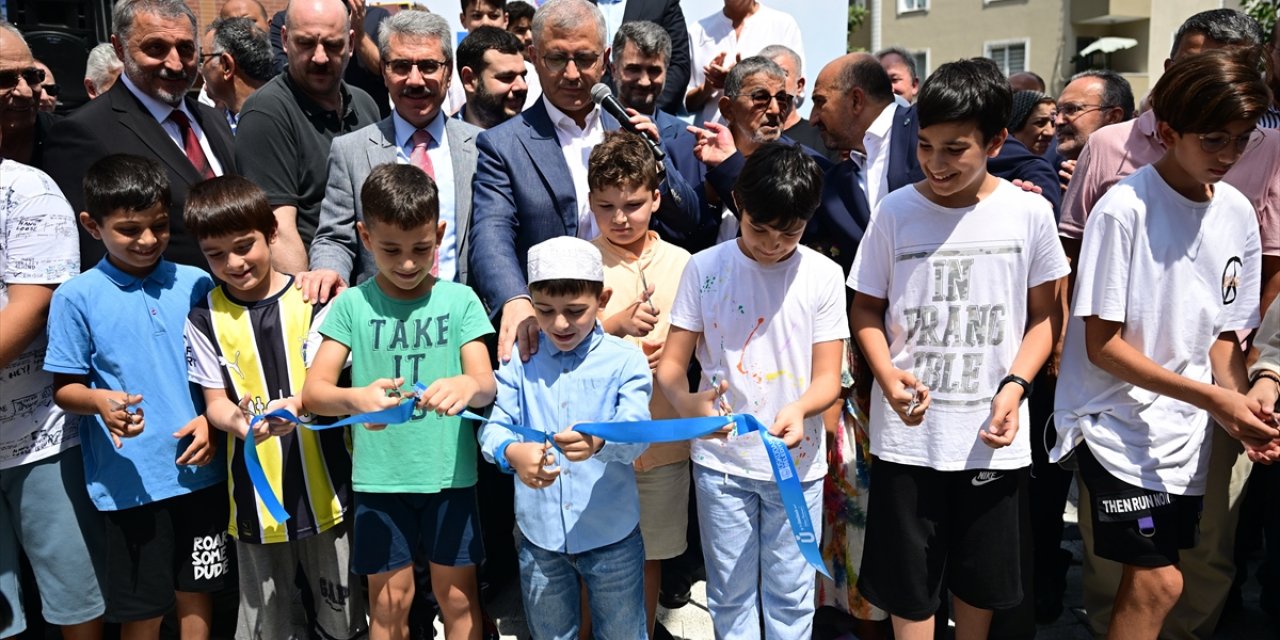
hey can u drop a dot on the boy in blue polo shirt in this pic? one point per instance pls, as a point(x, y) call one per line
point(117, 354)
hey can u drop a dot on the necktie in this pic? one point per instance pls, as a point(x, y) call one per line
point(421, 160)
point(191, 145)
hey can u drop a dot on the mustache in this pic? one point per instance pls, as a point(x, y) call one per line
point(417, 92)
point(167, 74)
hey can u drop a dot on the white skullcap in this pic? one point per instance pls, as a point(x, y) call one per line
point(565, 258)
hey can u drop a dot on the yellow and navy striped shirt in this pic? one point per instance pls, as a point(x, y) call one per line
point(261, 350)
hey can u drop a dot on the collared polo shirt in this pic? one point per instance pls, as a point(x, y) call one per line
point(124, 333)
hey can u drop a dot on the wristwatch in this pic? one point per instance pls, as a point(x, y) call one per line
point(1026, 386)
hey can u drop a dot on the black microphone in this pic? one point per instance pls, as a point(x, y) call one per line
point(603, 96)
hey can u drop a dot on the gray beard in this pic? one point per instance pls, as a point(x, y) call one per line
point(135, 73)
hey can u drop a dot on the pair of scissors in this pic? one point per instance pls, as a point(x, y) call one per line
point(648, 300)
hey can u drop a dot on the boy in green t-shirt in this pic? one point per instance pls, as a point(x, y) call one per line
point(414, 482)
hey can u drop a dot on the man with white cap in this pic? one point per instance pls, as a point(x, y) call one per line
point(579, 374)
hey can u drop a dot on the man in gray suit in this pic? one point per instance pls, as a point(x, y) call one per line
point(417, 66)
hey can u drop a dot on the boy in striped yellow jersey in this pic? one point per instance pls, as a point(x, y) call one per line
point(248, 348)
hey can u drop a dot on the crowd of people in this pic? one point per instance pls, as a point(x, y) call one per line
point(376, 324)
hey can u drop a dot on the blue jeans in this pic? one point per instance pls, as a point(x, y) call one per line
point(752, 559)
point(614, 575)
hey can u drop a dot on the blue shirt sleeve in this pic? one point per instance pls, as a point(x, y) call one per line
point(70, 345)
point(633, 405)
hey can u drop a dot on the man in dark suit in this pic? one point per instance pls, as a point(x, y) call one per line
point(25, 127)
point(668, 15)
point(531, 171)
point(147, 113)
point(639, 65)
point(854, 109)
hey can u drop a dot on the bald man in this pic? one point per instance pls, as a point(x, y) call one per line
point(286, 126)
point(251, 9)
point(24, 126)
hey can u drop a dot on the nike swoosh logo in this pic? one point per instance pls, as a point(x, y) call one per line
point(981, 479)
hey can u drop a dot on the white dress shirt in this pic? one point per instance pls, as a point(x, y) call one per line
point(160, 111)
point(442, 165)
point(576, 144)
point(714, 33)
point(875, 170)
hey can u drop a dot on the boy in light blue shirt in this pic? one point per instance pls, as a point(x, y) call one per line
point(117, 354)
point(576, 502)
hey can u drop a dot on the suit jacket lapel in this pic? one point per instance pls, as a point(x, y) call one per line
point(219, 139)
point(133, 116)
point(383, 147)
point(543, 148)
point(462, 153)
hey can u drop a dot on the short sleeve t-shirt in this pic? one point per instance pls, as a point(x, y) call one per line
point(40, 247)
point(124, 333)
point(660, 266)
point(418, 340)
point(956, 280)
point(1176, 273)
point(759, 324)
point(259, 349)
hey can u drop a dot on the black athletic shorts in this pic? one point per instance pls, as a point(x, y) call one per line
point(1136, 526)
point(924, 525)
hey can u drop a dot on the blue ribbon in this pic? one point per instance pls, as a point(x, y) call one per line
point(395, 415)
point(646, 431)
point(675, 430)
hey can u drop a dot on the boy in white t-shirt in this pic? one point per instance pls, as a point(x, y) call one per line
point(1169, 272)
point(766, 319)
point(954, 310)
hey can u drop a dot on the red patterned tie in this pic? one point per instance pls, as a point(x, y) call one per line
point(191, 145)
point(421, 139)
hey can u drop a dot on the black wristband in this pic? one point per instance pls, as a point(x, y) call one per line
point(1268, 374)
point(1026, 386)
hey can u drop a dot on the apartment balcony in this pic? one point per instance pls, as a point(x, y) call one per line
point(1109, 11)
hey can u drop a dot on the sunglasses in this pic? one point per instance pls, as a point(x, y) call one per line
point(760, 98)
point(9, 77)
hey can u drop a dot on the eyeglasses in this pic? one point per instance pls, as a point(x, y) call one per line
point(9, 77)
point(760, 98)
point(557, 62)
point(1215, 142)
point(206, 56)
point(403, 68)
point(52, 90)
point(1070, 111)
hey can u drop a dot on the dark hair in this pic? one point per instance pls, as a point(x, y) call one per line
point(1224, 26)
point(865, 72)
point(497, 4)
point(246, 44)
point(1116, 91)
point(779, 185)
point(566, 287)
point(650, 39)
point(400, 194)
point(519, 10)
point(901, 53)
point(227, 205)
point(973, 90)
point(482, 39)
point(621, 159)
point(1024, 102)
point(122, 182)
point(1205, 92)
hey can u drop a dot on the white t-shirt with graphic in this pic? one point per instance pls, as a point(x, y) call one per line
point(956, 281)
point(1177, 273)
point(759, 324)
point(40, 246)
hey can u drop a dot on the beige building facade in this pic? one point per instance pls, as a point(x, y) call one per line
point(1043, 36)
